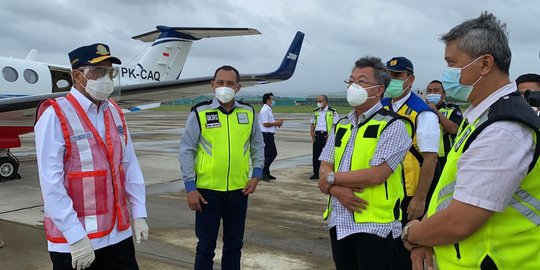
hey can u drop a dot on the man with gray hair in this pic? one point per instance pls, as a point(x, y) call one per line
point(361, 163)
point(484, 213)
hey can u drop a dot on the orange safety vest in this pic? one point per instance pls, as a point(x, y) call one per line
point(93, 174)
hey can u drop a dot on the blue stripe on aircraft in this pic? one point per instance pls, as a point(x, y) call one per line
point(11, 96)
point(165, 41)
point(171, 32)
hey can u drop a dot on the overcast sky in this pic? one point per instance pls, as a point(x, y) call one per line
point(337, 33)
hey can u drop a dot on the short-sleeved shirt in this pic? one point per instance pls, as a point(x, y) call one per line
point(492, 168)
point(266, 116)
point(321, 120)
point(427, 128)
point(391, 148)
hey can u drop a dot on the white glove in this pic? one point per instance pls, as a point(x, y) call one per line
point(82, 254)
point(141, 229)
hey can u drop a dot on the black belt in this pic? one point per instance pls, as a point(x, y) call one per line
point(321, 132)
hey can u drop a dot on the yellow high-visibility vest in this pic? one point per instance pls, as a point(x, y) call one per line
point(384, 199)
point(510, 239)
point(223, 156)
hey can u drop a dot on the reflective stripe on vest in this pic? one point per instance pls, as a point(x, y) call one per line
point(384, 198)
point(411, 165)
point(91, 178)
point(223, 154)
point(511, 245)
point(446, 141)
point(329, 119)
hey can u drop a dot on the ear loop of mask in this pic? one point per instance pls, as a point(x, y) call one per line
point(407, 86)
point(373, 86)
point(481, 76)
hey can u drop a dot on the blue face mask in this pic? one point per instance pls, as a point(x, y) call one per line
point(451, 82)
point(433, 98)
point(395, 88)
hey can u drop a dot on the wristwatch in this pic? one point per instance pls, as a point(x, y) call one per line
point(330, 178)
point(405, 235)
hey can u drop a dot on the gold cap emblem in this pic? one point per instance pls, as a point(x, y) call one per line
point(101, 50)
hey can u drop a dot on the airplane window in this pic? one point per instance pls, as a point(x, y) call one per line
point(62, 84)
point(30, 76)
point(10, 74)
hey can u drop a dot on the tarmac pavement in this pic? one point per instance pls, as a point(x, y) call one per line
point(284, 227)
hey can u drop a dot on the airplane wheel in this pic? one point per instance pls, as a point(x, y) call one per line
point(8, 168)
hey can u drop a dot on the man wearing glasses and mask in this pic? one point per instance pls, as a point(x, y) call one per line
point(90, 178)
point(360, 164)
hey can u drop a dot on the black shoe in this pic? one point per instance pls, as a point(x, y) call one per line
point(265, 178)
point(271, 177)
point(314, 177)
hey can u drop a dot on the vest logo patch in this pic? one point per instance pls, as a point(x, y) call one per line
point(120, 129)
point(212, 120)
point(242, 118)
point(78, 137)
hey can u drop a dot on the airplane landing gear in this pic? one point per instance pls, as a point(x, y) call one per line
point(9, 166)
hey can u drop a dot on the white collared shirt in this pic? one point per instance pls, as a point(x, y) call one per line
point(427, 128)
point(496, 162)
point(266, 116)
point(50, 147)
point(321, 120)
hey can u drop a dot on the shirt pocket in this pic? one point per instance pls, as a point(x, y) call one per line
point(89, 192)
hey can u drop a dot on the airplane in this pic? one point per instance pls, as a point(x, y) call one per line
point(25, 83)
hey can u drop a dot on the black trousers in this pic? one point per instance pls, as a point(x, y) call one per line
point(363, 251)
point(270, 151)
point(318, 146)
point(120, 256)
point(231, 207)
point(403, 257)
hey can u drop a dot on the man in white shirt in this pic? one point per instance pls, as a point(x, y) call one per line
point(322, 122)
point(484, 213)
point(268, 127)
point(421, 162)
point(88, 171)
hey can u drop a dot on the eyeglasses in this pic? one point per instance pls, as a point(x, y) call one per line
point(360, 82)
point(99, 71)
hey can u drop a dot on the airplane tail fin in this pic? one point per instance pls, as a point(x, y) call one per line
point(169, 50)
point(288, 65)
point(31, 55)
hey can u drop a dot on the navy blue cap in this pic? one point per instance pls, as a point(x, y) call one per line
point(399, 64)
point(91, 55)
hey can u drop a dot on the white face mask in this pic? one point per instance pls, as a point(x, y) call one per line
point(357, 95)
point(224, 94)
point(320, 105)
point(99, 89)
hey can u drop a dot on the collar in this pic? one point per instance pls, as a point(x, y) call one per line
point(357, 120)
point(442, 105)
point(324, 109)
point(86, 103)
point(215, 103)
point(268, 107)
point(397, 105)
point(472, 113)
